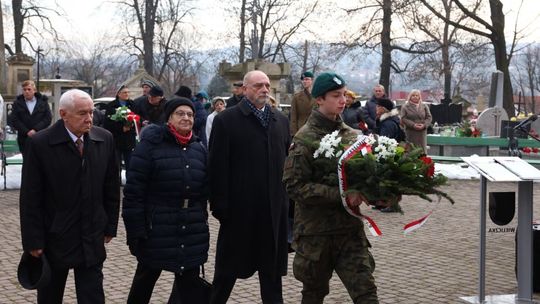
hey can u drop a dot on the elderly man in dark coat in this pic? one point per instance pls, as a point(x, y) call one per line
point(248, 146)
point(70, 198)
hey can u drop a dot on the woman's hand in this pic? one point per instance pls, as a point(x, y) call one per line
point(419, 126)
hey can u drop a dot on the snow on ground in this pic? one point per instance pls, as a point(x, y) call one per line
point(452, 171)
point(13, 174)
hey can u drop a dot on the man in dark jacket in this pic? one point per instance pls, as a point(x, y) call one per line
point(146, 85)
point(30, 113)
point(151, 110)
point(237, 94)
point(370, 111)
point(70, 197)
point(248, 147)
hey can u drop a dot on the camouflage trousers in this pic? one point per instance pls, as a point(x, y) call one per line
point(348, 255)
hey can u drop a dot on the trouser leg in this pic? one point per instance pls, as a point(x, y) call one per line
point(271, 289)
point(53, 292)
point(313, 266)
point(222, 287)
point(89, 284)
point(143, 285)
point(353, 266)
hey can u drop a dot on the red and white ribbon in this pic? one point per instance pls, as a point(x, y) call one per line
point(361, 146)
point(364, 148)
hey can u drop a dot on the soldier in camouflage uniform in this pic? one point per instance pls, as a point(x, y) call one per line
point(326, 237)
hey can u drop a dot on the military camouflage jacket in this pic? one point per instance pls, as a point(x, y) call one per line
point(318, 209)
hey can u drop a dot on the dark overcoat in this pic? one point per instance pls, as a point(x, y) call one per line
point(22, 121)
point(246, 167)
point(124, 141)
point(69, 202)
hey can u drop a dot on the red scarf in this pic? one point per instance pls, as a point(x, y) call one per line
point(183, 140)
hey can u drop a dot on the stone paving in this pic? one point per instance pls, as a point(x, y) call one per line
point(436, 264)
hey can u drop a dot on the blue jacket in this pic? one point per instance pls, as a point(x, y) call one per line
point(164, 206)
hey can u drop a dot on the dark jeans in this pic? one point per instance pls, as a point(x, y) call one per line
point(88, 285)
point(145, 279)
point(271, 289)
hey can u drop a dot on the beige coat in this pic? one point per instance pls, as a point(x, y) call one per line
point(301, 106)
point(410, 115)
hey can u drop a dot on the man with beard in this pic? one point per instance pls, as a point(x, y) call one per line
point(248, 147)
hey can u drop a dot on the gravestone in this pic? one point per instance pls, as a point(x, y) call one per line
point(490, 121)
point(445, 113)
point(496, 90)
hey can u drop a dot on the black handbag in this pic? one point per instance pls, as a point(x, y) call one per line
point(203, 290)
point(205, 286)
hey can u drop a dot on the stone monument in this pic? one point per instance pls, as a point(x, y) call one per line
point(20, 68)
point(276, 72)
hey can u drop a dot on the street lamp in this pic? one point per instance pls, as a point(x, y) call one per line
point(38, 54)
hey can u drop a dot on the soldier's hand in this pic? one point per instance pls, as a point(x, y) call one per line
point(355, 199)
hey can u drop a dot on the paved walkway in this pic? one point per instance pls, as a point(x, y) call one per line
point(436, 264)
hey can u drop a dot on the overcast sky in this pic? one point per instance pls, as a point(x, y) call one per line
point(86, 20)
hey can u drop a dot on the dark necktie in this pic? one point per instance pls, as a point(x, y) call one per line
point(79, 144)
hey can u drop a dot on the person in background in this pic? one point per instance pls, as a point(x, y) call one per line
point(164, 206)
point(199, 126)
point(123, 131)
point(387, 124)
point(370, 108)
point(352, 114)
point(70, 199)
point(248, 146)
point(219, 105)
point(416, 117)
point(204, 99)
point(146, 85)
point(30, 113)
point(326, 237)
point(151, 110)
point(1, 117)
point(237, 94)
point(274, 103)
point(302, 103)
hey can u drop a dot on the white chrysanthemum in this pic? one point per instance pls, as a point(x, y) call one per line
point(327, 145)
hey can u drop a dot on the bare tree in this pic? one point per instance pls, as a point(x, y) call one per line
point(2, 53)
point(34, 16)
point(154, 17)
point(272, 26)
point(494, 31)
point(376, 32)
point(528, 73)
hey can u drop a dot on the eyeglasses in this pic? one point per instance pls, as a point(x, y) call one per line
point(183, 114)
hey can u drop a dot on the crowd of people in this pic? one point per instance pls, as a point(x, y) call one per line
point(245, 162)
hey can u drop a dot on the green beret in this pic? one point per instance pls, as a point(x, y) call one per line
point(306, 74)
point(326, 82)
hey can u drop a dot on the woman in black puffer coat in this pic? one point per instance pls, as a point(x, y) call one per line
point(164, 206)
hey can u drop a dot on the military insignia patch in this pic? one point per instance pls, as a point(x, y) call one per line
point(337, 80)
